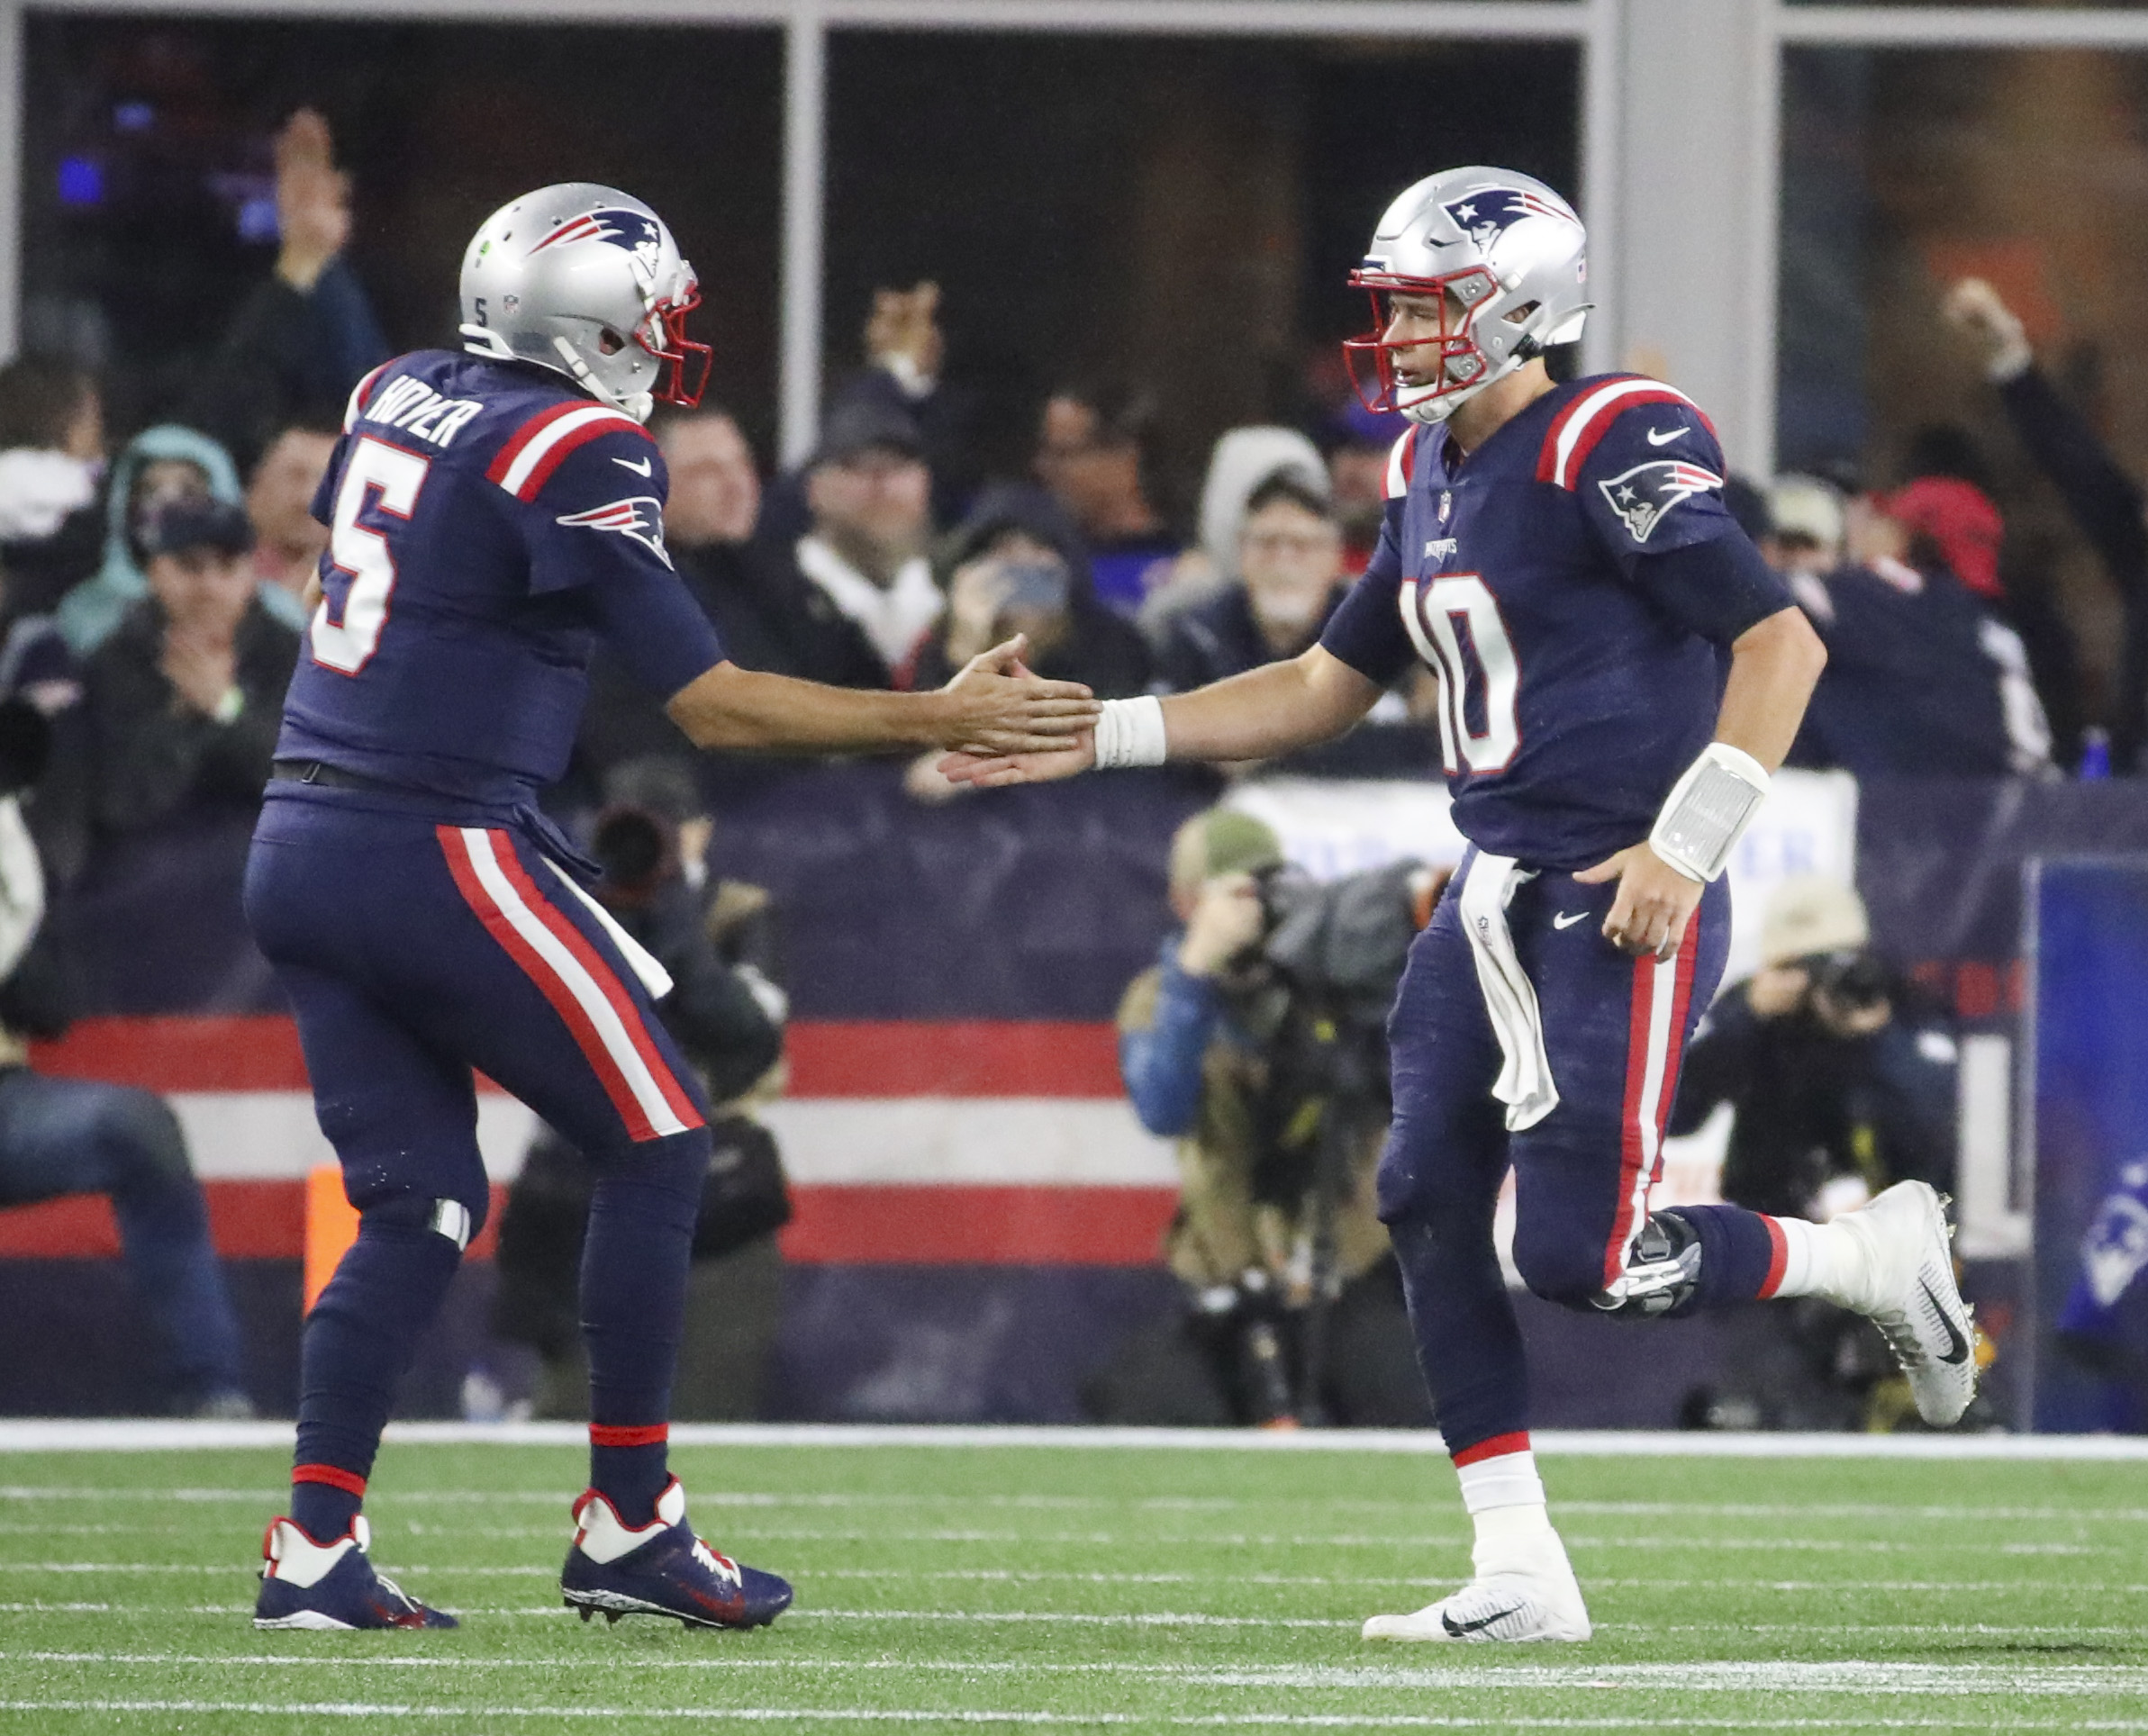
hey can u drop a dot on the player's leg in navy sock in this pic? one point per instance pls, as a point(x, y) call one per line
point(1438, 1185)
point(359, 1341)
point(403, 1118)
point(634, 1264)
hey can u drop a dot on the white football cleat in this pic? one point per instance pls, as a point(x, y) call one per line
point(1905, 1286)
point(1543, 1603)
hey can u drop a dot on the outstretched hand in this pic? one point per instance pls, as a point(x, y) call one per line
point(997, 707)
point(1654, 904)
point(990, 771)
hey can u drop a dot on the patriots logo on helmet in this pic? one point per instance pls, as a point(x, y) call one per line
point(1642, 496)
point(1487, 215)
point(639, 516)
point(635, 231)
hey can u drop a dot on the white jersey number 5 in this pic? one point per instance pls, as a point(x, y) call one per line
point(396, 475)
point(1450, 619)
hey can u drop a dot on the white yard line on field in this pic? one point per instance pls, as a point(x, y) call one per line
point(68, 1434)
point(1250, 1539)
point(879, 1500)
point(889, 1715)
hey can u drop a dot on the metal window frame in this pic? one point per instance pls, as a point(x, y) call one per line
point(1595, 26)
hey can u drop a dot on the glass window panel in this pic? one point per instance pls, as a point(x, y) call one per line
point(1183, 213)
point(148, 207)
point(1905, 170)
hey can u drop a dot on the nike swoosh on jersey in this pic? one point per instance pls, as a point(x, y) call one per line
point(1656, 436)
point(1568, 922)
point(1460, 1628)
point(640, 467)
point(1957, 1347)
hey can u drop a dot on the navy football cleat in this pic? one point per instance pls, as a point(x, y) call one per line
point(663, 1568)
point(309, 1584)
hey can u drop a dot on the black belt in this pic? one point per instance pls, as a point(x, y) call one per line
point(333, 777)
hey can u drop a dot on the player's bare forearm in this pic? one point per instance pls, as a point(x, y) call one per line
point(1774, 666)
point(994, 705)
point(1265, 712)
point(1275, 709)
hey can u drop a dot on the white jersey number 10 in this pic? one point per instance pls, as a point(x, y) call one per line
point(1455, 623)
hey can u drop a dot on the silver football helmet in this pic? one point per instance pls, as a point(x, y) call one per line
point(586, 280)
point(1507, 260)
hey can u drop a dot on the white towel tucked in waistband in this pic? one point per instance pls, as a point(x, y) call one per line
point(654, 977)
point(1525, 1081)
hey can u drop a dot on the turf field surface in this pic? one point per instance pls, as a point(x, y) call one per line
point(992, 1579)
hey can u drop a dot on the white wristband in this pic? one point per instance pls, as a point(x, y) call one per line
point(1708, 810)
point(1130, 732)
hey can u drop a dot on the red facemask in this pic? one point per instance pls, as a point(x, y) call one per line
point(1460, 363)
point(684, 372)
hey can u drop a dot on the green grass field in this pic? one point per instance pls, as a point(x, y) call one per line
point(944, 1586)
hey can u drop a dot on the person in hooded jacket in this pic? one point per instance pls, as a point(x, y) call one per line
point(1244, 460)
point(158, 466)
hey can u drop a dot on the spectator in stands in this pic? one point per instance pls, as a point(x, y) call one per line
point(1922, 679)
point(60, 1136)
point(719, 945)
point(51, 461)
point(869, 494)
point(2107, 503)
point(767, 614)
point(1843, 1083)
point(182, 703)
point(1289, 564)
point(1098, 452)
point(1202, 1039)
point(1243, 459)
point(1017, 566)
point(1805, 528)
point(158, 466)
point(1359, 444)
point(307, 335)
point(288, 539)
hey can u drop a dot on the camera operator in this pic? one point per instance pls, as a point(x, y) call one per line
point(1274, 1253)
point(1843, 1082)
point(718, 944)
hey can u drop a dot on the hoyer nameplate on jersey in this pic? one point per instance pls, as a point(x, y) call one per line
point(415, 408)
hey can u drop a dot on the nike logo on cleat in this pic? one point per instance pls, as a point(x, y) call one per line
point(1566, 921)
point(1460, 1628)
point(640, 467)
point(1664, 435)
point(1957, 1347)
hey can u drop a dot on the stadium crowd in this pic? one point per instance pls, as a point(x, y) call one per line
point(151, 614)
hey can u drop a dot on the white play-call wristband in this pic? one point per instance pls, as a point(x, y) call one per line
point(1708, 810)
point(1130, 732)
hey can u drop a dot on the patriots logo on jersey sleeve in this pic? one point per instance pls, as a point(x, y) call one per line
point(635, 231)
point(1486, 216)
point(1642, 496)
point(641, 517)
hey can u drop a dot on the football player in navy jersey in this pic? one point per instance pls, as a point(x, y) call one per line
point(494, 513)
point(1619, 674)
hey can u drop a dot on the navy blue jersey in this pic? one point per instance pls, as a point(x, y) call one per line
point(1922, 679)
point(488, 524)
point(1573, 583)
